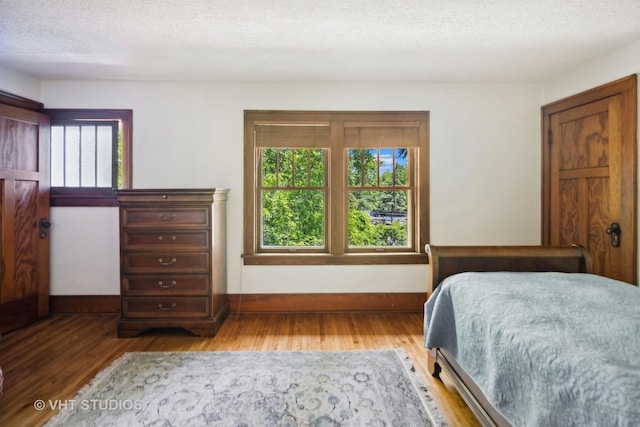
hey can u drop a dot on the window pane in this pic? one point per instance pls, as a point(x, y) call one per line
point(370, 161)
point(269, 167)
point(57, 156)
point(401, 155)
point(88, 156)
point(378, 218)
point(72, 156)
point(386, 167)
point(293, 218)
point(355, 167)
point(301, 163)
point(317, 167)
point(105, 156)
point(285, 167)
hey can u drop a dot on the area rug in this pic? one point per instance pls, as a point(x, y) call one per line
point(275, 388)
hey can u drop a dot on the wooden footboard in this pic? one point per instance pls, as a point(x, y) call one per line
point(449, 260)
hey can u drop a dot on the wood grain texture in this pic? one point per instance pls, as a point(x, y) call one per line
point(246, 303)
point(569, 213)
point(18, 145)
point(85, 303)
point(305, 303)
point(26, 238)
point(591, 138)
point(20, 102)
point(70, 349)
point(446, 261)
point(24, 181)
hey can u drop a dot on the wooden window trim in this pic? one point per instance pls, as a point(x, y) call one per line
point(337, 200)
point(62, 196)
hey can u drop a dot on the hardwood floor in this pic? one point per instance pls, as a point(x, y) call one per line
point(52, 359)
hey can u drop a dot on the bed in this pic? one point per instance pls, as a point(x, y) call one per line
point(529, 336)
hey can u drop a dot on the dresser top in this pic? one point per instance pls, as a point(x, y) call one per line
point(171, 194)
point(152, 191)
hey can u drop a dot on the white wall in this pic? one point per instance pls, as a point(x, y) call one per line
point(621, 63)
point(485, 171)
point(485, 164)
point(19, 84)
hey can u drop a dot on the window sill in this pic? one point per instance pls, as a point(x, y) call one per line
point(83, 197)
point(328, 259)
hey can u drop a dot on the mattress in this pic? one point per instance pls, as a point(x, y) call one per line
point(545, 348)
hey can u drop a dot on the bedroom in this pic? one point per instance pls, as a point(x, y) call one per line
point(180, 129)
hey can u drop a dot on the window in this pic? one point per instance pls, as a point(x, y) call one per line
point(90, 156)
point(336, 187)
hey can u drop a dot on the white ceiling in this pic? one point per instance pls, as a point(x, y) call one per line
point(303, 40)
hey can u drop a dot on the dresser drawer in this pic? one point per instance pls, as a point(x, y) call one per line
point(166, 262)
point(165, 307)
point(166, 217)
point(136, 239)
point(165, 285)
point(166, 196)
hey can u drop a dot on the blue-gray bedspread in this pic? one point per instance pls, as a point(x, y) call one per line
point(547, 349)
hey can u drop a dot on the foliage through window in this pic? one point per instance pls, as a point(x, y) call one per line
point(90, 156)
point(293, 197)
point(378, 197)
point(347, 187)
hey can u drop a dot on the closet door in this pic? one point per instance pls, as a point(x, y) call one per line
point(24, 217)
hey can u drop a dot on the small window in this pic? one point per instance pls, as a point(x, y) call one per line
point(336, 187)
point(85, 154)
point(90, 156)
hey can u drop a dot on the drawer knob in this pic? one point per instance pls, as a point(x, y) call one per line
point(167, 217)
point(163, 262)
point(161, 307)
point(162, 284)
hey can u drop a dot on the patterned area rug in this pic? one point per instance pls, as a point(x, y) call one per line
point(277, 388)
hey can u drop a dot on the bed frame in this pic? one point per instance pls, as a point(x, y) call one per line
point(448, 260)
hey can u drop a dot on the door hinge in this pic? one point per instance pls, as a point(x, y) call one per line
point(549, 134)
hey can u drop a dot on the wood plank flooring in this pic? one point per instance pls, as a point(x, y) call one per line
point(54, 358)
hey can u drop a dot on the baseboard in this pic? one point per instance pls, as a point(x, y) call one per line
point(84, 303)
point(265, 303)
point(305, 303)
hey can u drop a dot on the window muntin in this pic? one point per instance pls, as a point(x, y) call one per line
point(394, 176)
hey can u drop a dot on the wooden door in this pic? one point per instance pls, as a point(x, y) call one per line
point(24, 216)
point(589, 182)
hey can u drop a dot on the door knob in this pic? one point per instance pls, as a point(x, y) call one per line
point(44, 225)
point(614, 231)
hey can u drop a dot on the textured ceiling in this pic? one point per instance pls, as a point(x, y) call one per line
point(303, 40)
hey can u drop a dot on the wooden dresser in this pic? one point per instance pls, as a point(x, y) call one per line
point(173, 260)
